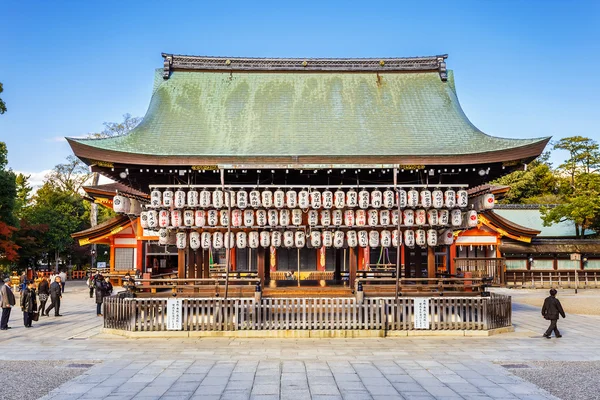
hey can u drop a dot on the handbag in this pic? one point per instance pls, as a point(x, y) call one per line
point(36, 316)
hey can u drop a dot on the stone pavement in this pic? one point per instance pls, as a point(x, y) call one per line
point(225, 368)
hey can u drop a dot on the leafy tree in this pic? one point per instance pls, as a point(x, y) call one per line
point(2, 103)
point(23, 198)
point(584, 156)
point(8, 222)
point(70, 176)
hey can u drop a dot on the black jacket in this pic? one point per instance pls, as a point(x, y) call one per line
point(55, 290)
point(44, 287)
point(100, 290)
point(28, 301)
point(552, 308)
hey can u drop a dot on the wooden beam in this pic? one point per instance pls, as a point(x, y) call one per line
point(181, 263)
point(353, 259)
point(260, 265)
point(431, 262)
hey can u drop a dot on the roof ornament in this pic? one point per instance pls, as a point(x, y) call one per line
point(168, 61)
point(442, 68)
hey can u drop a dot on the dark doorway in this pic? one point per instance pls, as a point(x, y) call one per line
point(416, 262)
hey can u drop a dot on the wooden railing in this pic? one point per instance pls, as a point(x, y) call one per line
point(235, 314)
point(573, 279)
point(386, 286)
point(483, 268)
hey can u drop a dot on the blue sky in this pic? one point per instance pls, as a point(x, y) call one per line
point(523, 69)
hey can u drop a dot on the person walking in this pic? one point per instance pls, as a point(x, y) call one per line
point(43, 293)
point(7, 300)
point(551, 311)
point(55, 296)
point(100, 292)
point(28, 304)
point(63, 280)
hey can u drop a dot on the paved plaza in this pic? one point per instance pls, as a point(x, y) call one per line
point(224, 368)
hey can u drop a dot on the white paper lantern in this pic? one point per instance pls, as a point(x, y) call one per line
point(338, 239)
point(315, 199)
point(432, 217)
point(300, 239)
point(488, 201)
point(297, 217)
point(224, 217)
point(327, 238)
point(396, 238)
point(217, 240)
point(450, 198)
point(288, 239)
point(273, 217)
point(408, 217)
point(168, 198)
point(363, 199)
point(349, 218)
point(176, 218)
point(413, 198)
point(396, 217)
point(376, 198)
point(248, 218)
point(213, 218)
point(188, 218)
point(205, 240)
point(119, 204)
point(432, 238)
point(373, 217)
point(456, 217)
point(351, 198)
point(192, 198)
point(181, 240)
point(163, 237)
point(471, 218)
point(229, 240)
point(409, 238)
point(242, 199)
point(327, 198)
point(384, 217)
point(134, 207)
point(163, 218)
point(385, 238)
point(303, 199)
point(315, 239)
point(448, 237)
point(229, 198)
point(462, 198)
point(425, 196)
point(218, 198)
point(261, 217)
point(237, 218)
point(144, 219)
point(152, 219)
point(279, 198)
point(313, 217)
point(402, 198)
point(267, 198)
point(437, 198)
point(337, 217)
point(352, 238)
point(291, 199)
point(155, 198)
point(339, 199)
point(361, 218)
point(254, 197)
point(326, 217)
point(443, 217)
point(363, 238)
point(420, 237)
point(205, 197)
point(373, 239)
point(276, 239)
point(241, 239)
point(388, 199)
point(265, 239)
point(284, 217)
point(126, 204)
point(180, 197)
point(194, 240)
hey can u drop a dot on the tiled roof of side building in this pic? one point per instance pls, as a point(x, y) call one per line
point(290, 114)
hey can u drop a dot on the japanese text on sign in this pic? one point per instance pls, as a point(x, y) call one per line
point(421, 313)
point(174, 309)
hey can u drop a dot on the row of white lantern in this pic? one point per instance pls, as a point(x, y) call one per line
point(315, 199)
point(125, 205)
point(295, 217)
point(300, 239)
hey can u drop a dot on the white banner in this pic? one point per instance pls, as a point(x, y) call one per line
point(422, 313)
point(174, 315)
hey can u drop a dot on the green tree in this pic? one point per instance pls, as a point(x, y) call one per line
point(2, 103)
point(584, 156)
point(23, 198)
point(69, 176)
point(8, 222)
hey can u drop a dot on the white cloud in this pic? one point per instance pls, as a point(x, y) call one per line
point(36, 179)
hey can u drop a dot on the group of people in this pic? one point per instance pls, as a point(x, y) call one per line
point(100, 287)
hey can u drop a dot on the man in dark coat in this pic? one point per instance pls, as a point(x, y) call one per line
point(28, 304)
point(551, 311)
point(55, 296)
point(7, 300)
point(100, 291)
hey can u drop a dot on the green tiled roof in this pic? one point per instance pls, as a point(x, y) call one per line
point(306, 114)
